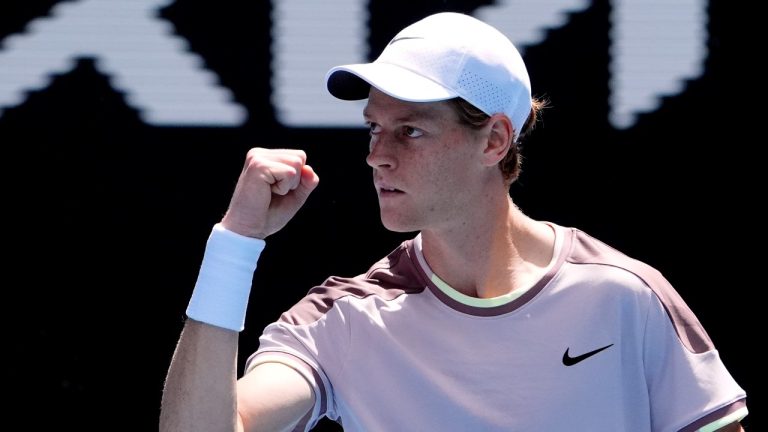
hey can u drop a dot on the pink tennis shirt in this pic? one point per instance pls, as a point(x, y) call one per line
point(601, 343)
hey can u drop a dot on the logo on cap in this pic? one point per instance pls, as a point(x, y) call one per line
point(403, 38)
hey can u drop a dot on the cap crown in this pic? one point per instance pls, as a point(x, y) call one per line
point(443, 56)
point(469, 58)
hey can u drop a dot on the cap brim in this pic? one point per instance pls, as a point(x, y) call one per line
point(352, 82)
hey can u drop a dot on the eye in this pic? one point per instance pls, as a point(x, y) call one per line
point(412, 132)
point(373, 128)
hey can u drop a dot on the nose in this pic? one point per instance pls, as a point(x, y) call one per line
point(381, 153)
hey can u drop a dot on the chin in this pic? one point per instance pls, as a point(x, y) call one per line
point(398, 225)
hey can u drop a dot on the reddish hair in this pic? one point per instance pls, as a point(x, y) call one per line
point(471, 116)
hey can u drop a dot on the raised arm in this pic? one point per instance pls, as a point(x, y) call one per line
point(201, 391)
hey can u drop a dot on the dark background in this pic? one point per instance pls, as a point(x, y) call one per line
point(107, 217)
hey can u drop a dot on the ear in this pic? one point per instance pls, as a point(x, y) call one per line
point(498, 140)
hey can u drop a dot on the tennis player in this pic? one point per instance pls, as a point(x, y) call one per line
point(485, 320)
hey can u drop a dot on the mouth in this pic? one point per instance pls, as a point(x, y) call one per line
point(387, 190)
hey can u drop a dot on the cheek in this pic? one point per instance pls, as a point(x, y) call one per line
point(451, 173)
point(459, 161)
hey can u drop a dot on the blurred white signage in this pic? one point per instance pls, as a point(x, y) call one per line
point(656, 47)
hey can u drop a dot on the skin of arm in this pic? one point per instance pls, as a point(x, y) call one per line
point(201, 390)
point(273, 397)
point(733, 427)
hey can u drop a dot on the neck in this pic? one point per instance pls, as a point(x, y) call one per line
point(497, 252)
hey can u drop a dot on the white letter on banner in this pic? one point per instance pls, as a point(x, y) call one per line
point(655, 47)
point(309, 38)
point(141, 54)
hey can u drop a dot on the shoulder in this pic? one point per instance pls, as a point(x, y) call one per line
point(586, 249)
point(399, 270)
point(387, 279)
point(641, 278)
point(585, 260)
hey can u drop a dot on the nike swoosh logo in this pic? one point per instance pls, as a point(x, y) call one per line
point(404, 38)
point(570, 361)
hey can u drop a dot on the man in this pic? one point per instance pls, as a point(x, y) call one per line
point(487, 320)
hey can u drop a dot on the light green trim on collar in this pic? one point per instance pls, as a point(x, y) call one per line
point(475, 301)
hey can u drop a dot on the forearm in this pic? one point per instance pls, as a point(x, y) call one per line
point(199, 393)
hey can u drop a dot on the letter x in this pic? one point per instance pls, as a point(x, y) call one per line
point(139, 51)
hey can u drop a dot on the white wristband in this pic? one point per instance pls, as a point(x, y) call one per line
point(223, 285)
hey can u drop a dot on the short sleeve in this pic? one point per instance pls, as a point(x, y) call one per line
point(688, 388)
point(314, 349)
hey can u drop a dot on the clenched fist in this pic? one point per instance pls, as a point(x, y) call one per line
point(273, 186)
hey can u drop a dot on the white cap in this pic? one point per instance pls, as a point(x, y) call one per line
point(443, 56)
